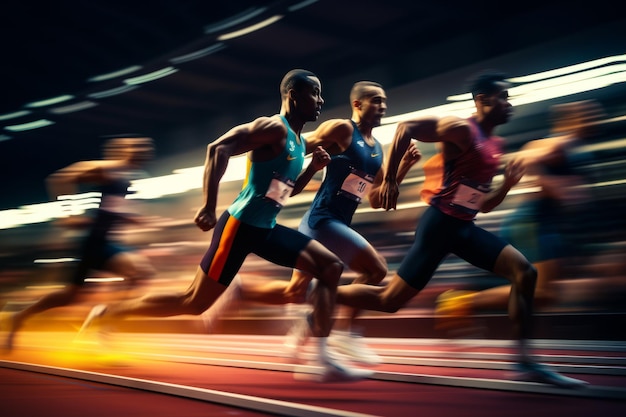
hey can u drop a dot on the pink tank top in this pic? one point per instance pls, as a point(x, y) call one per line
point(467, 179)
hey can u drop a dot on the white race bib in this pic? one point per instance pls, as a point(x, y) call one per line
point(279, 190)
point(356, 186)
point(469, 197)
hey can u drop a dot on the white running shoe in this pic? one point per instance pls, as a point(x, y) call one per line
point(229, 299)
point(535, 372)
point(352, 346)
point(298, 335)
point(94, 319)
point(95, 313)
point(332, 370)
point(336, 371)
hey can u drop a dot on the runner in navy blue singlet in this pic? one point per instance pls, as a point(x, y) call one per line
point(353, 175)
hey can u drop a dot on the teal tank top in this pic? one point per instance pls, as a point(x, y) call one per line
point(268, 184)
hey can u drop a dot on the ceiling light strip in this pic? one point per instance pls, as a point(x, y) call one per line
point(115, 74)
point(235, 20)
point(250, 29)
point(198, 54)
point(29, 126)
point(83, 105)
point(50, 101)
point(151, 76)
point(112, 92)
point(301, 5)
point(14, 115)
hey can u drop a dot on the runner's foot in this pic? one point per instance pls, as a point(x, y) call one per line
point(535, 372)
point(228, 300)
point(352, 345)
point(331, 369)
point(334, 370)
point(453, 309)
point(298, 335)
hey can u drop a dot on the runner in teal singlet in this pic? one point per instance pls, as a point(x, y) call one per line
point(276, 151)
point(353, 175)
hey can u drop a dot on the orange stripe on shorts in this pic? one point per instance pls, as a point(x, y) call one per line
point(226, 243)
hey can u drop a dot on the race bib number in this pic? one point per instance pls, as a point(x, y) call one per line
point(356, 186)
point(279, 190)
point(469, 197)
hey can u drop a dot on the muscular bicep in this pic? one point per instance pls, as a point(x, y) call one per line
point(261, 132)
point(456, 135)
point(82, 172)
point(333, 135)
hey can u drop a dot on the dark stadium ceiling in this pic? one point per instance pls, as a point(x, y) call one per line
point(94, 54)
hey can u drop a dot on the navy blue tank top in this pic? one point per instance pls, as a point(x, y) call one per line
point(347, 181)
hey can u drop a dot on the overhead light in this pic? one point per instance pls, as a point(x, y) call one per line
point(29, 126)
point(567, 74)
point(250, 29)
point(235, 20)
point(568, 69)
point(151, 76)
point(460, 97)
point(115, 74)
point(104, 279)
point(4, 137)
point(73, 107)
point(301, 5)
point(14, 115)
point(186, 179)
point(198, 54)
point(112, 92)
point(54, 260)
point(50, 101)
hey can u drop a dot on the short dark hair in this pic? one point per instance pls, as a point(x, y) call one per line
point(487, 82)
point(115, 145)
point(295, 79)
point(361, 89)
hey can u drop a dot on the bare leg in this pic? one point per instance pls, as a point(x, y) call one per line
point(278, 292)
point(55, 299)
point(497, 298)
point(371, 268)
point(523, 276)
point(514, 266)
point(389, 299)
point(200, 295)
point(318, 261)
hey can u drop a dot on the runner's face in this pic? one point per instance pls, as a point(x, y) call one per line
point(498, 107)
point(373, 107)
point(309, 102)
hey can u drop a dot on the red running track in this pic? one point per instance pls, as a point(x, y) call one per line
point(40, 392)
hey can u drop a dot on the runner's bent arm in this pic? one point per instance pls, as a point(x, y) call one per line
point(319, 160)
point(262, 132)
